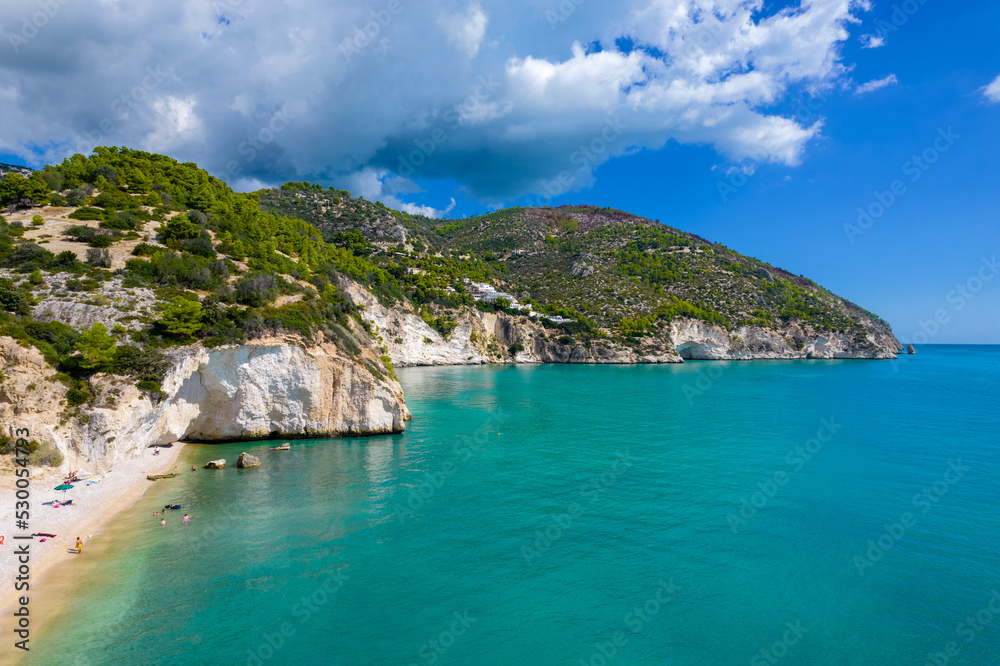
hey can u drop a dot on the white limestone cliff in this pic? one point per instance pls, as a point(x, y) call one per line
point(481, 338)
point(485, 337)
point(698, 340)
point(278, 386)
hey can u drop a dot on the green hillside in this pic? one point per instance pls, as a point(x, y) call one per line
point(157, 253)
point(625, 274)
point(221, 270)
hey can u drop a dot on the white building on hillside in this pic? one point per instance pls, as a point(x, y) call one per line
point(480, 291)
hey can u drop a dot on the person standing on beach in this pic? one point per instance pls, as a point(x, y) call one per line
point(79, 546)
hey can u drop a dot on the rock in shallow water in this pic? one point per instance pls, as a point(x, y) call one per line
point(246, 460)
point(216, 464)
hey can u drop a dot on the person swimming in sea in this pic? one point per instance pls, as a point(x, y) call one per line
point(193, 468)
point(163, 522)
point(187, 519)
point(79, 545)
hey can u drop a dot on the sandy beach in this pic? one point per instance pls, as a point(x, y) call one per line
point(94, 505)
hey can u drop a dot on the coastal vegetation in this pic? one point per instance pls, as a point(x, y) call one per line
point(223, 270)
point(166, 255)
point(621, 275)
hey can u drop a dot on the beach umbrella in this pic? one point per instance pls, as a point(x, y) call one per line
point(63, 487)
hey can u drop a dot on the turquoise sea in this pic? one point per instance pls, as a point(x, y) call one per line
point(802, 512)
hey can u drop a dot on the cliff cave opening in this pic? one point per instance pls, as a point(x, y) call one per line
point(692, 351)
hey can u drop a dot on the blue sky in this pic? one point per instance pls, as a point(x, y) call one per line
point(697, 113)
point(930, 241)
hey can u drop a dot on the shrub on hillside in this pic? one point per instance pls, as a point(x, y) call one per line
point(107, 172)
point(201, 246)
point(26, 254)
point(256, 290)
point(81, 233)
point(52, 178)
point(101, 240)
point(65, 259)
point(181, 318)
point(47, 455)
point(99, 257)
point(87, 213)
point(75, 197)
point(77, 396)
point(172, 269)
point(13, 300)
point(96, 347)
point(61, 337)
point(118, 223)
point(178, 228)
point(21, 192)
point(132, 361)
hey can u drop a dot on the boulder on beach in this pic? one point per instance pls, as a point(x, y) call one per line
point(216, 464)
point(246, 460)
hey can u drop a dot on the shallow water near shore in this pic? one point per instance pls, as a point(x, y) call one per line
point(692, 514)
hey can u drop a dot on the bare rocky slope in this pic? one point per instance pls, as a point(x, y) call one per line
point(481, 338)
point(488, 337)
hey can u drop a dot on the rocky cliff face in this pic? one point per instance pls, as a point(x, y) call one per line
point(698, 340)
point(488, 338)
point(285, 387)
point(482, 337)
point(278, 386)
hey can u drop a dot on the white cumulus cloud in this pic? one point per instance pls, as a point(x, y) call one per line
point(382, 185)
point(876, 84)
point(872, 41)
point(466, 31)
point(377, 95)
point(992, 91)
point(429, 211)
